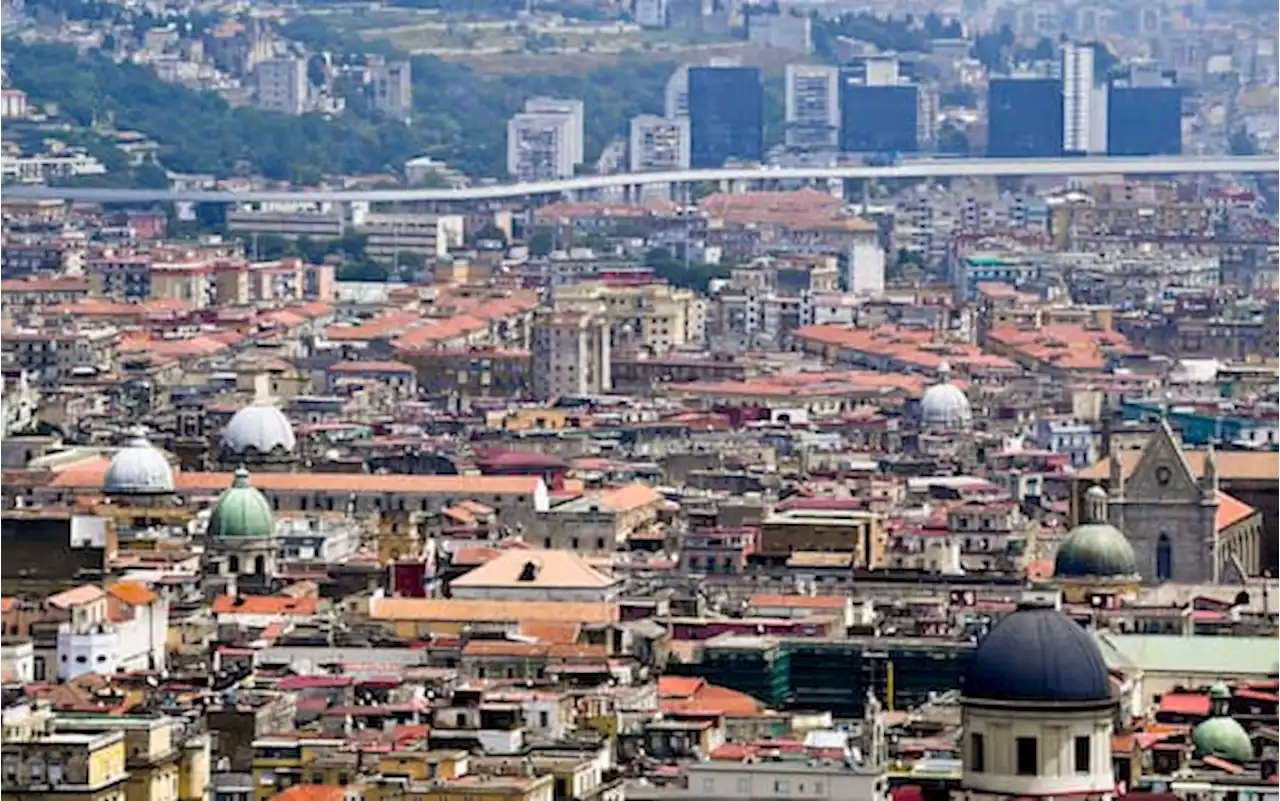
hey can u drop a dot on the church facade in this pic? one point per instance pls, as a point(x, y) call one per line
point(1181, 525)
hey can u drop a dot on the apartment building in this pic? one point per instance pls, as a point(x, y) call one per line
point(28, 294)
point(659, 143)
point(544, 142)
point(289, 219)
point(428, 235)
point(650, 317)
point(40, 763)
point(282, 84)
point(391, 88)
point(52, 358)
point(812, 107)
point(38, 169)
point(166, 759)
point(34, 253)
point(570, 354)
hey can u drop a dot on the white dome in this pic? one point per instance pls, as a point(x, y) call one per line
point(139, 468)
point(260, 426)
point(946, 406)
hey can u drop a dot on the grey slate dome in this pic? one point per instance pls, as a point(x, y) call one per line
point(259, 428)
point(139, 468)
point(1095, 548)
point(1037, 654)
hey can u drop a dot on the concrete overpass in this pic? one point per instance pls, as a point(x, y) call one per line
point(629, 182)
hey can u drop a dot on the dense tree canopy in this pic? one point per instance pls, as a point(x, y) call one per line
point(902, 35)
point(460, 116)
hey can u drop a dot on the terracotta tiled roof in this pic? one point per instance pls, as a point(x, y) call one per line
point(535, 569)
point(264, 605)
point(1237, 465)
point(628, 498)
point(800, 601)
point(454, 610)
point(312, 792)
point(91, 474)
point(1231, 511)
point(371, 367)
point(551, 631)
point(132, 592)
point(76, 597)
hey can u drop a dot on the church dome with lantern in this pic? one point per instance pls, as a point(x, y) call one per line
point(1095, 548)
point(138, 468)
point(945, 405)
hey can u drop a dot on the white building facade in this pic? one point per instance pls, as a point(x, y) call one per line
point(544, 142)
point(659, 143)
point(812, 107)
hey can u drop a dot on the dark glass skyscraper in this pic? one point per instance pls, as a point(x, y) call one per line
point(1144, 120)
point(726, 115)
point(1024, 118)
point(879, 119)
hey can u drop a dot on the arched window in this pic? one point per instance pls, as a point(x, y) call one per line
point(233, 564)
point(1164, 558)
point(260, 565)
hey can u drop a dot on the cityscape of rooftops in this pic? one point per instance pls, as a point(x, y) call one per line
point(640, 400)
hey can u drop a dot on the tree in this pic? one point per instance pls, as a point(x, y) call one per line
point(962, 96)
point(992, 49)
point(1240, 143)
point(694, 275)
point(952, 140)
point(488, 233)
point(542, 242)
point(150, 176)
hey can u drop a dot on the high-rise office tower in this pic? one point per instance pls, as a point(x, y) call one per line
point(879, 119)
point(1024, 117)
point(1144, 117)
point(726, 115)
point(812, 107)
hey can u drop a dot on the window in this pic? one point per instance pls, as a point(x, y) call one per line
point(1164, 558)
point(1082, 754)
point(708, 784)
point(744, 785)
point(977, 753)
point(1028, 756)
point(782, 786)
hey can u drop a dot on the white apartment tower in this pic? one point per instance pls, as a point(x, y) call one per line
point(282, 84)
point(544, 142)
point(676, 94)
point(1077, 98)
point(571, 108)
point(651, 13)
point(391, 89)
point(812, 107)
point(659, 143)
point(571, 353)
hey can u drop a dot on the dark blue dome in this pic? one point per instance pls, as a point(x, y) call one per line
point(1037, 654)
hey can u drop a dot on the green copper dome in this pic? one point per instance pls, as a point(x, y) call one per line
point(242, 511)
point(1224, 738)
point(1095, 548)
